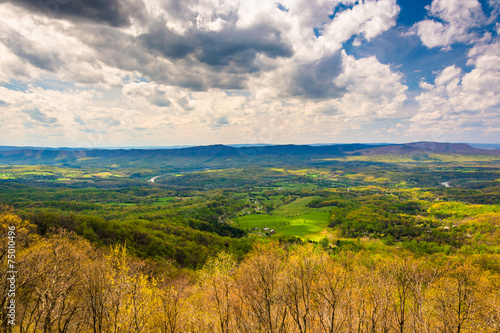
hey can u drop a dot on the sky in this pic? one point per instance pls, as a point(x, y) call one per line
point(111, 73)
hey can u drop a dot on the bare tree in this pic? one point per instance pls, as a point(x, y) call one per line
point(457, 297)
point(218, 285)
point(50, 300)
point(261, 289)
point(300, 282)
point(332, 307)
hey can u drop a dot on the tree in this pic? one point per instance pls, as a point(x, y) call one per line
point(53, 277)
point(174, 295)
point(15, 235)
point(261, 290)
point(97, 294)
point(300, 282)
point(332, 306)
point(217, 286)
point(458, 295)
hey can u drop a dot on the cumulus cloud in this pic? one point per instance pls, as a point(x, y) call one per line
point(373, 90)
point(316, 79)
point(147, 92)
point(37, 47)
point(112, 12)
point(196, 70)
point(219, 48)
point(461, 102)
point(453, 22)
point(196, 44)
point(366, 20)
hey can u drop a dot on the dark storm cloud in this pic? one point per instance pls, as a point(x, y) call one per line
point(112, 12)
point(241, 46)
point(315, 80)
point(167, 43)
point(114, 47)
point(197, 59)
point(23, 48)
point(230, 47)
point(118, 49)
point(36, 115)
point(191, 58)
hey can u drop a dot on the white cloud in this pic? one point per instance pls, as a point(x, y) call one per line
point(455, 19)
point(36, 47)
point(460, 102)
point(366, 19)
point(195, 71)
point(373, 90)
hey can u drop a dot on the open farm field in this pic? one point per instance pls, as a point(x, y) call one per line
point(293, 219)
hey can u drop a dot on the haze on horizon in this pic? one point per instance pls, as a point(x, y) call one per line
point(111, 73)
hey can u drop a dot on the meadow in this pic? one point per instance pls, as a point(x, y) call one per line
point(293, 219)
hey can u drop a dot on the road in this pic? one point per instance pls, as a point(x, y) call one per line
point(152, 180)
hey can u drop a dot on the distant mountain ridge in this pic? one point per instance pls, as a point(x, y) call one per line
point(51, 156)
point(221, 155)
point(429, 147)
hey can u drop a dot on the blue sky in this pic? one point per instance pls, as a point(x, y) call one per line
point(103, 73)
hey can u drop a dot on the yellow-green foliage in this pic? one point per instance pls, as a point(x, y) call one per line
point(63, 280)
point(59, 173)
point(458, 210)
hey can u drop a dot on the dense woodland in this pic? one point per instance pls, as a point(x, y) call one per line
point(68, 285)
point(354, 247)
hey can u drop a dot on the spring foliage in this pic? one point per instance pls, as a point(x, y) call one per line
point(65, 284)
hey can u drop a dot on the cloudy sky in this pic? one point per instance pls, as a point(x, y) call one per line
point(100, 73)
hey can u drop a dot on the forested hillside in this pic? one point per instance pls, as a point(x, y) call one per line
point(220, 156)
point(67, 285)
point(360, 243)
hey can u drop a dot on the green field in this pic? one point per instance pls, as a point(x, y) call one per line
point(293, 219)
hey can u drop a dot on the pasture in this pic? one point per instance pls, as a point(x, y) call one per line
point(293, 219)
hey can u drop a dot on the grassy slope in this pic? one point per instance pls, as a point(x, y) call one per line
point(293, 219)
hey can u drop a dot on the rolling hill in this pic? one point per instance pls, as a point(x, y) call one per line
point(223, 156)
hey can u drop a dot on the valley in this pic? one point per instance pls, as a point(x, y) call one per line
point(179, 227)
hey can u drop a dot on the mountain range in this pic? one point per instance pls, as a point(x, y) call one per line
point(223, 155)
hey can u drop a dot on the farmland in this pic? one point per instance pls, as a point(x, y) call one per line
point(396, 203)
point(365, 219)
point(293, 219)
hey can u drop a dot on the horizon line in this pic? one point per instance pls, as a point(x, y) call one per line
point(238, 145)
